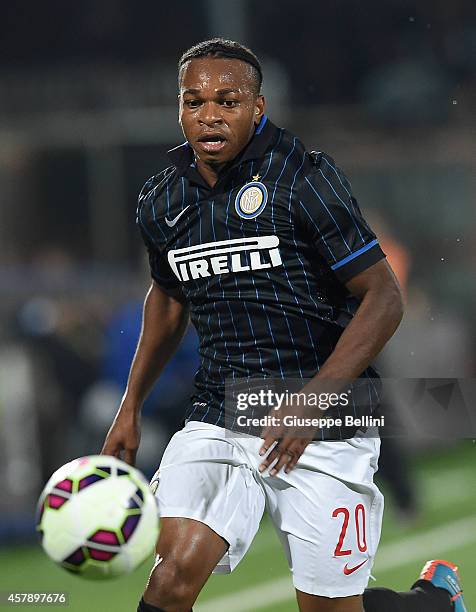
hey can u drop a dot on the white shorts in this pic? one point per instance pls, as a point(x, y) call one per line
point(327, 511)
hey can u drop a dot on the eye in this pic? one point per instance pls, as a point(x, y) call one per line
point(192, 103)
point(230, 103)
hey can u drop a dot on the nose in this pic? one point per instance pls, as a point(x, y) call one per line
point(210, 114)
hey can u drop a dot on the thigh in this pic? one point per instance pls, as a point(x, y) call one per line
point(204, 477)
point(329, 522)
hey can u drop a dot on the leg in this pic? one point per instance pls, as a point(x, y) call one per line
point(190, 551)
point(210, 508)
point(328, 522)
point(393, 469)
point(425, 598)
point(314, 603)
point(438, 590)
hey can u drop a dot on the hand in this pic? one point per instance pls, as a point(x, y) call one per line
point(123, 435)
point(287, 443)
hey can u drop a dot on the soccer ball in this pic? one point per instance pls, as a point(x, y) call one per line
point(97, 517)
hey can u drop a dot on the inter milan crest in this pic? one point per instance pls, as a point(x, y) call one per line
point(251, 199)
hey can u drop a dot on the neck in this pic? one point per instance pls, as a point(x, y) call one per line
point(209, 172)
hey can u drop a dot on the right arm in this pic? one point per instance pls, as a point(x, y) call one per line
point(164, 321)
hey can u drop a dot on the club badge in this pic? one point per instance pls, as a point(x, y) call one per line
point(251, 199)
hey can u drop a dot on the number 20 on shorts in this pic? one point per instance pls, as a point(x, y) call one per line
point(359, 522)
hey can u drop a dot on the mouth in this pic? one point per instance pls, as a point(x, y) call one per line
point(212, 142)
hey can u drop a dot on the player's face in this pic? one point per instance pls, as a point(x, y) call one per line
point(219, 108)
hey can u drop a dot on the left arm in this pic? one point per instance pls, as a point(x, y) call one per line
point(374, 323)
point(330, 220)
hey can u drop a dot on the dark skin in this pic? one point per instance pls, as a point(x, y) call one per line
point(375, 321)
point(218, 101)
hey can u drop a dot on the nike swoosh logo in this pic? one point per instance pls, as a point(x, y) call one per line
point(351, 570)
point(172, 222)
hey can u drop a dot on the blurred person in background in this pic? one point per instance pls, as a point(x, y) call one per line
point(163, 409)
point(393, 460)
point(172, 391)
point(63, 339)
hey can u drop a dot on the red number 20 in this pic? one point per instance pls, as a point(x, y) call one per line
point(359, 515)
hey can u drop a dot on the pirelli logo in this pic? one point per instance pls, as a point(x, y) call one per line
point(225, 256)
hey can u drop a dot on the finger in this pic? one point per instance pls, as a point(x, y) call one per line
point(110, 450)
point(284, 459)
point(270, 459)
point(292, 462)
point(272, 456)
point(296, 452)
point(268, 442)
point(130, 456)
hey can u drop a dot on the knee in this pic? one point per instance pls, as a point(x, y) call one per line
point(171, 586)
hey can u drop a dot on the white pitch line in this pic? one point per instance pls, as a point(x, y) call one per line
point(427, 545)
point(269, 593)
point(411, 549)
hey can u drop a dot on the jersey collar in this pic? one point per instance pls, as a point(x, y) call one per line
point(265, 135)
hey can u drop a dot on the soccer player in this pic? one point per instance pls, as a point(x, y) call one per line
point(263, 245)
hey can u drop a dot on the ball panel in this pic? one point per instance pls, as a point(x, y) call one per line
point(129, 526)
point(55, 501)
point(101, 555)
point(89, 480)
point(77, 558)
point(65, 485)
point(106, 470)
point(105, 537)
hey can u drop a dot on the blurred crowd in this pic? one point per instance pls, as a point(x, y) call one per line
point(400, 57)
point(385, 87)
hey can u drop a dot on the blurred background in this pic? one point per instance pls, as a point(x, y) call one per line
point(87, 112)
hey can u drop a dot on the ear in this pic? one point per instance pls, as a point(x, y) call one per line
point(260, 105)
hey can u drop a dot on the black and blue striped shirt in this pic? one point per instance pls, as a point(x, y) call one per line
point(262, 258)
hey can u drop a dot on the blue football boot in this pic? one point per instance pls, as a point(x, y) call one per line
point(444, 575)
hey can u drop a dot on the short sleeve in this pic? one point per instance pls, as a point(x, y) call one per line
point(332, 220)
point(159, 266)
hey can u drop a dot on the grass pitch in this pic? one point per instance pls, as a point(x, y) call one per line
point(446, 528)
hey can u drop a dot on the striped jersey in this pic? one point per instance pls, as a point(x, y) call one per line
point(262, 258)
